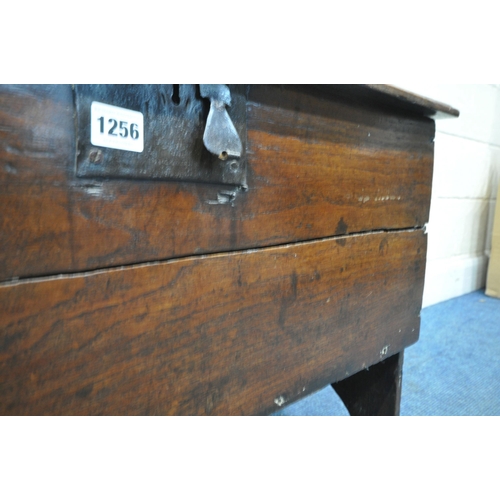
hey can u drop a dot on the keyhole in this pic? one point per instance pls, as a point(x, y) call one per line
point(175, 95)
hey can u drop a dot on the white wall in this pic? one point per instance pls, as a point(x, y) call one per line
point(465, 183)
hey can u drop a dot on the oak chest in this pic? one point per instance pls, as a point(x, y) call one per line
point(182, 279)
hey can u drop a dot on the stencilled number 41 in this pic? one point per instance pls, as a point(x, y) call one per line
point(124, 129)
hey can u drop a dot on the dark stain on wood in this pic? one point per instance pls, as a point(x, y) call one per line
point(288, 300)
point(341, 227)
point(383, 247)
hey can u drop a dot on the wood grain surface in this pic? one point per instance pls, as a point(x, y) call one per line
point(318, 166)
point(227, 334)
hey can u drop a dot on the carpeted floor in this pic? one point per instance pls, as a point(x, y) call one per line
point(454, 368)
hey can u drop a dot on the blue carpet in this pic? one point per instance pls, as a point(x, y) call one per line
point(454, 368)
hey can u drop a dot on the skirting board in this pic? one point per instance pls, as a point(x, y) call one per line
point(449, 278)
point(493, 277)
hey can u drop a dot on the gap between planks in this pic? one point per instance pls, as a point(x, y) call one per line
point(82, 274)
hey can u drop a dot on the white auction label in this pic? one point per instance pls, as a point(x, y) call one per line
point(117, 128)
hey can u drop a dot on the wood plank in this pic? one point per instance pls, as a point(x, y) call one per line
point(429, 107)
point(375, 391)
point(228, 334)
point(393, 98)
point(318, 166)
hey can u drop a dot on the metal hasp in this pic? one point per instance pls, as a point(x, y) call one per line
point(220, 137)
point(194, 133)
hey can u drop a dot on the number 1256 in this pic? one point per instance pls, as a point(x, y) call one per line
point(116, 128)
point(124, 129)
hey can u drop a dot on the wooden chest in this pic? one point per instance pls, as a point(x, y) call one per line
point(172, 296)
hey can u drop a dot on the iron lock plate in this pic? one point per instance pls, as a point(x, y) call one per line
point(174, 118)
